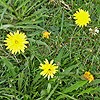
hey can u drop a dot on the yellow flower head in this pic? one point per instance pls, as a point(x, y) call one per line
point(88, 76)
point(16, 41)
point(46, 34)
point(49, 69)
point(82, 18)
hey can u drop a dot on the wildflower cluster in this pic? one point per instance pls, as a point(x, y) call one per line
point(17, 42)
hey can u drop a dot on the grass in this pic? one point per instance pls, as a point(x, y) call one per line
point(73, 49)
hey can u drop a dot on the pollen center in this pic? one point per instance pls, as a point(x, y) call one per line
point(16, 42)
point(49, 69)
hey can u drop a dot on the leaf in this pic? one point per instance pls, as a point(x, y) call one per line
point(51, 92)
point(87, 90)
point(42, 43)
point(48, 87)
point(29, 22)
point(62, 95)
point(6, 26)
point(96, 81)
point(36, 79)
point(20, 80)
point(23, 4)
point(10, 66)
point(74, 86)
point(3, 3)
point(59, 56)
point(97, 89)
point(68, 70)
point(29, 26)
point(2, 82)
point(2, 15)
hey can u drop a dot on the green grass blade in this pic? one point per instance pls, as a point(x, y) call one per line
point(6, 26)
point(59, 56)
point(43, 43)
point(51, 93)
point(68, 70)
point(96, 81)
point(10, 66)
point(2, 82)
point(62, 96)
point(29, 26)
point(6, 5)
point(74, 86)
point(23, 4)
point(89, 90)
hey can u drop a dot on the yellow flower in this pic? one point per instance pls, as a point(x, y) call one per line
point(82, 18)
point(88, 76)
point(49, 69)
point(46, 34)
point(16, 41)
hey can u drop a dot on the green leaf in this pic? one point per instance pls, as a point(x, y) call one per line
point(62, 95)
point(87, 90)
point(48, 87)
point(35, 80)
point(97, 89)
point(20, 80)
point(2, 82)
point(6, 26)
point(6, 5)
point(29, 22)
point(23, 4)
point(43, 92)
point(10, 66)
point(59, 56)
point(96, 81)
point(68, 70)
point(4, 10)
point(42, 43)
point(51, 93)
point(74, 86)
point(29, 26)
